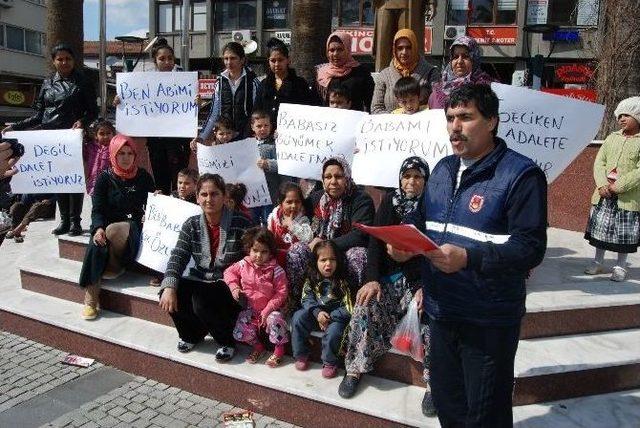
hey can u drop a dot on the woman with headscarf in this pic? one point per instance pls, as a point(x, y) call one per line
point(333, 211)
point(67, 100)
point(464, 67)
point(389, 286)
point(342, 69)
point(407, 62)
point(119, 199)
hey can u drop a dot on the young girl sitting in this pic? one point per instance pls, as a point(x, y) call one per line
point(287, 220)
point(326, 305)
point(95, 152)
point(259, 284)
point(236, 192)
point(223, 133)
point(614, 222)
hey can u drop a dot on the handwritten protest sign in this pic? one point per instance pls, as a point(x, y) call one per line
point(236, 163)
point(550, 129)
point(384, 141)
point(308, 136)
point(52, 162)
point(157, 104)
point(163, 220)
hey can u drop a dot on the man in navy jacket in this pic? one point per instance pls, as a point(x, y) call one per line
point(486, 207)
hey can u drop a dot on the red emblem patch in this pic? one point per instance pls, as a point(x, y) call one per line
point(476, 203)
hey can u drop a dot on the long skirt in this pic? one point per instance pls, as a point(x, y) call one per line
point(612, 228)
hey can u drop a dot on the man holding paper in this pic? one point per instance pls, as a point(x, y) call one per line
point(486, 207)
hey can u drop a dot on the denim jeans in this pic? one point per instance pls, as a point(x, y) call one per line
point(472, 373)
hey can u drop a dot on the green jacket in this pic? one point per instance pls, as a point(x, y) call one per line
point(622, 153)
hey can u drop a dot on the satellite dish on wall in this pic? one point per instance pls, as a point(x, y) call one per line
point(250, 47)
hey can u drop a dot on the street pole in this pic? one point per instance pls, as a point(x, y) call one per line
point(184, 48)
point(103, 59)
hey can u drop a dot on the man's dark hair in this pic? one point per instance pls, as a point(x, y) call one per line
point(485, 100)
point(405, 87)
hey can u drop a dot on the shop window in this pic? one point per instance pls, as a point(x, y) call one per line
point(573, 12)
point(479, 12)
point(15, 38)
point(170, 16)
point(276, 14)
point(235, 15)
point(352, 13)
point(33, 42)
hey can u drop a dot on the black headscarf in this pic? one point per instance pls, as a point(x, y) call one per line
point(403, 204)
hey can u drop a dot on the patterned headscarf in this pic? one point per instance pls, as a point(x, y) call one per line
point(403, 204)
point(328, 71)
point(415, 55)
point(328, 214)
point(117, 143)
point(450, 81)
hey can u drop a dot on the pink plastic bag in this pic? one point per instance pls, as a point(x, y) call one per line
point(407, 338)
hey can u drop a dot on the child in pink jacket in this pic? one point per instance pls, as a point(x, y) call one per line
point(260, 285)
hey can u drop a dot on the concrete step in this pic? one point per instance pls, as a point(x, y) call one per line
point(546, 368)
point(555, 309)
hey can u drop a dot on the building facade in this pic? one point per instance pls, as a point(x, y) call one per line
point(23, 62)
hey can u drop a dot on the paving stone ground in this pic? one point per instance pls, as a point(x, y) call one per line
point(30, 371)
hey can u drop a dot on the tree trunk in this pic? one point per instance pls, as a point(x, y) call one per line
point(618, 55)
point(309, 32)
point(65, 25)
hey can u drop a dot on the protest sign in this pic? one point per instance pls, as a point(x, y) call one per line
point(157, 104)
point(163, 220)
point(384, 141)
point(550, 129)
point(52, 162)
point(236, 163)
point(308, 136)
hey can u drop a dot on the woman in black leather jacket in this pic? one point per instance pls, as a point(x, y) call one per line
point(66, 100)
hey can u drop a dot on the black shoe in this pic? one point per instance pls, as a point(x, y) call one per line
point(348, 386)
point(62, 228)
point(75, 230)
point(428, 409)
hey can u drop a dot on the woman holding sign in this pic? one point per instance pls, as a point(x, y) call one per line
point(201, 302)
point(333, 211)
point(407, 62)
point(464, 67)
point(66, 100)
point(389, 286)
point(344, 69)
point(235, 94)
point(119, 199)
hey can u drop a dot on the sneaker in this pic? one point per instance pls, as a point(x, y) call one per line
point(225, 354)
point(428, 408)
point(185, 346)
point(618, 274)
point(89, 313)
point(329, 371)
point(594, 268)
point(302, 363)
point(348, 386)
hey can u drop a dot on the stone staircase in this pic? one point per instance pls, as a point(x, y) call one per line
point(580, 337)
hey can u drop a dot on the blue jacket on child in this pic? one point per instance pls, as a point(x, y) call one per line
point(499, 215)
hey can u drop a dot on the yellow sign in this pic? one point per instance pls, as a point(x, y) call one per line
point(14, 97)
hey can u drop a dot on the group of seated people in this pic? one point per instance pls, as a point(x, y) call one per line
point(306, 268)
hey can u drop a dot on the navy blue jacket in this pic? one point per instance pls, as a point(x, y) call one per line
point(499, 215)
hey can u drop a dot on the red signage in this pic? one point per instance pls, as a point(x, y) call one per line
point(207, 88)
point(574, 73)
point(362, 40)
point(494, 35)
point(579, 94)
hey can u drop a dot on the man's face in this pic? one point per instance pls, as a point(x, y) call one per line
point(470, 132)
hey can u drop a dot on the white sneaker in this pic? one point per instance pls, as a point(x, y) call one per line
point(594, 268)
point(618, 274)
point(225, 353)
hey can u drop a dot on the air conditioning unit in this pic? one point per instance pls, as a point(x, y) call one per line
point(452, 32)
point(6, 3)
point(241, 36)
